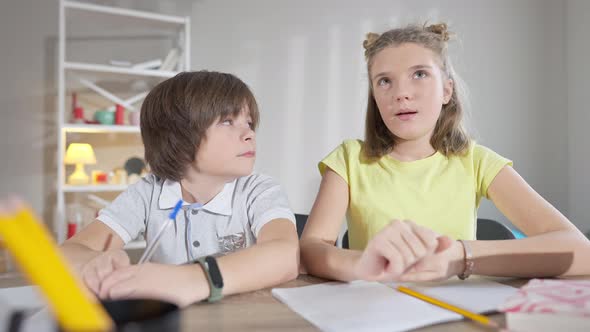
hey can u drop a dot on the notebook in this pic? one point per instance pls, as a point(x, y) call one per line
point(373, 306)
point(549, 305)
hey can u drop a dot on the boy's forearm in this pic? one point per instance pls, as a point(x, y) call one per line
point(77, 254)
point(260, 266)
point(90, 242)
point(327, 261)
point(263, 265)
point(558, 253)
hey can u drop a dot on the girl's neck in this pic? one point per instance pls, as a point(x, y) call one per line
point(412, 150)
point(200, 188)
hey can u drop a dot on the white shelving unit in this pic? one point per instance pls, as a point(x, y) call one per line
point(93, 71)
point(106, 69)
point(94, 188)
point(89, 128)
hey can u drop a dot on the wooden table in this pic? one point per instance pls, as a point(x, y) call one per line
point(259, 311)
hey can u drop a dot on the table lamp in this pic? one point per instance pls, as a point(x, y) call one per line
point(79, 154)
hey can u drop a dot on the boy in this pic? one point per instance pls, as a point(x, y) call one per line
point(198, 129)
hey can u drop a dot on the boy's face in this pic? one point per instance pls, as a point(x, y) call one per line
point(229, 148)
point(410, 89)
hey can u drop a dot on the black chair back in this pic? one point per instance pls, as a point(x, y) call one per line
point(300, 219)
point(489, 229)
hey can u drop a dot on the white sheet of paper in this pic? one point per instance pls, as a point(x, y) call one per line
point(38, 318)
point(372, 306)
point(21, 297)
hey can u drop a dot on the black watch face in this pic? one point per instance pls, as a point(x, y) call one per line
point(214, 272)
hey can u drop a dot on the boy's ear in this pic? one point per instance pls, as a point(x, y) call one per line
point(448, 90)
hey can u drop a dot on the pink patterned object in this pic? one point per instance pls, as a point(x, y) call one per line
point(570, 297)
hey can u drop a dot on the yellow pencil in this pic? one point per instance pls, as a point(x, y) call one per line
point(465, 313)
point(33, 249)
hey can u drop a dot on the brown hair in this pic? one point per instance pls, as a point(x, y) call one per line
point(176, 113)
point(449, 137)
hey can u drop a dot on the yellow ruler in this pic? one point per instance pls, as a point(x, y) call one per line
point(40, 260)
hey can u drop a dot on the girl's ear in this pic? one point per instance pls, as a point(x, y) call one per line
point(448, 90)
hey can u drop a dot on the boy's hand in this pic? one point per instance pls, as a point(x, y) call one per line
point(98, 268)
point(179, 284)
point(396, 248)
point(439, 266)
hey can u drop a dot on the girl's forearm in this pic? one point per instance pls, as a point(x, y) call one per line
point(558, 253)
point(327, 261)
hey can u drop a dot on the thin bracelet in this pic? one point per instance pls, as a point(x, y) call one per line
point(467, 260)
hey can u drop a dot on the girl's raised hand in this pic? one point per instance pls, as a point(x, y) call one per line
point(395, 249)
point(441, 265)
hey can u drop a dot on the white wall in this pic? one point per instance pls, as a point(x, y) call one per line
point(578, 73)
point(27, 90)
point(304, 62)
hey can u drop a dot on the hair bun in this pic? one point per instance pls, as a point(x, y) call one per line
point(440, 29)
point(371, 39)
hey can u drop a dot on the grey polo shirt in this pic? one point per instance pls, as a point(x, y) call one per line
point(230, 221)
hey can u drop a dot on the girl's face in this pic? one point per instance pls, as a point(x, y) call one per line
point(410, 89)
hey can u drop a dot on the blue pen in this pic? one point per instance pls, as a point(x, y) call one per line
point(151, 248)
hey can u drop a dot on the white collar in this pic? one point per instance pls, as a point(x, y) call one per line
point(220, 204)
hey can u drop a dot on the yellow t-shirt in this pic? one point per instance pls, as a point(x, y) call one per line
point(437, 192)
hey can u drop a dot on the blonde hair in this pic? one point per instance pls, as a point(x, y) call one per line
point(449, 137)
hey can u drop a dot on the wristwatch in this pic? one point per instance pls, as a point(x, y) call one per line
point(209, 265)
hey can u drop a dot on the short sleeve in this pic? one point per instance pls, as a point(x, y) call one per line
point(265, 202)
point(126, 215)
point(339, 159)
point(487, 164)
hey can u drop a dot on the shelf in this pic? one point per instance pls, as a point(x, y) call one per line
point(93, 128)
point(94, 188)
point(90, 35)
point(124, 12)
point(137, 244)
point(98, 68)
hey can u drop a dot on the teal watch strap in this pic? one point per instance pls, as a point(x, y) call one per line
point(209, 265)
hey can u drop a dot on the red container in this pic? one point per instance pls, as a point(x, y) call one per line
point(119, 115)
point(72, 227)
point(78, 115)
point(102, 178)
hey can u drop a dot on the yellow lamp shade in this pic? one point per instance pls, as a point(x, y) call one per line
point(79, 154)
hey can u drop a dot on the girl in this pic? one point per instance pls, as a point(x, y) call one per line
point(416, 182)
